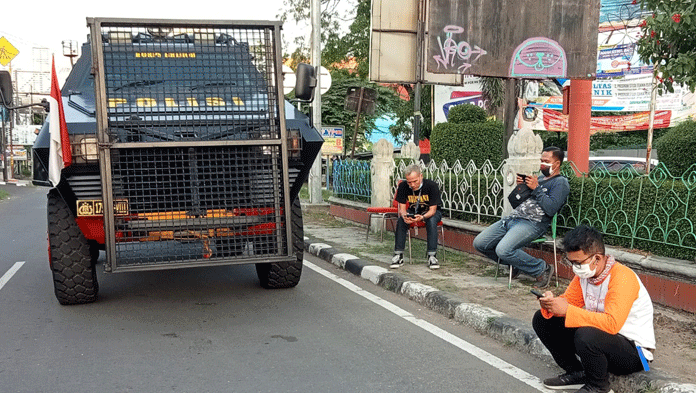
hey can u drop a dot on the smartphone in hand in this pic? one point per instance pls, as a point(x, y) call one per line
point(411, 215)
point(536, 293)
point(524, 177)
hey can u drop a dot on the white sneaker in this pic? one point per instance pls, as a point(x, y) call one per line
point(397, 261)
point(432, 263)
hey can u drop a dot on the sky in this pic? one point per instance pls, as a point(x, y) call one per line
point(43, 23)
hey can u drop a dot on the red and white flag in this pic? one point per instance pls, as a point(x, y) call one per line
point(59, 154)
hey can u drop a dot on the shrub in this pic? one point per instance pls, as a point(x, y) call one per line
point(677, 148)
point(466, 113)
point(470, 141)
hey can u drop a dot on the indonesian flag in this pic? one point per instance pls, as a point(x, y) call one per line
point(59, 155)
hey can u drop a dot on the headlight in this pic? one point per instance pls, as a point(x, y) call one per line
point(84, 148)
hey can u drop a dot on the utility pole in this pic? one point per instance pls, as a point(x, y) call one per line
point(314, 185)
point(70, 51)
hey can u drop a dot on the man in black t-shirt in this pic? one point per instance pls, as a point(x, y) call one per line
point(419, 201)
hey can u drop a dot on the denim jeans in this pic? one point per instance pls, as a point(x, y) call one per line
point(505, 240)
point(430, 227)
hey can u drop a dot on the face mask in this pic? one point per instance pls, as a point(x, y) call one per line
point(546, 168)
point(584, 271)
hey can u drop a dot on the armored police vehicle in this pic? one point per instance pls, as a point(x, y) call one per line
point(183, 153)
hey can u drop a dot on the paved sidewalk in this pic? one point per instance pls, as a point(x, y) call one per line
point(330, 243)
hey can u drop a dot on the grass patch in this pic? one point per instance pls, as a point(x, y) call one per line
point(3, 194)
point(304, 193)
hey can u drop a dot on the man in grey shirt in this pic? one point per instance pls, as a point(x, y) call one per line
point(505, 238)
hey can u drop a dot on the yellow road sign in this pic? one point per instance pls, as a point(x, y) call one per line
point(7, 51)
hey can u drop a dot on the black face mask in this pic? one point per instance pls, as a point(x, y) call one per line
point(546, 170)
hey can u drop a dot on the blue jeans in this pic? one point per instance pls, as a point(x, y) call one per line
point(505, 240)
point(430, 227)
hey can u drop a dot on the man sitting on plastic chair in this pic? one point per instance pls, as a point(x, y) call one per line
point(505, 239)
point(419, 200)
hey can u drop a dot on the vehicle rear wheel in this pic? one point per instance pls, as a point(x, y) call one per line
point(286, 274)
point(72, 259)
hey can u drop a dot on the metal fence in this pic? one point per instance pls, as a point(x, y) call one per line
point(652, 212)
point(352, 179)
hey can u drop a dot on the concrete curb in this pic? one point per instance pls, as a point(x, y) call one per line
point(485, 320)
point(15, 183)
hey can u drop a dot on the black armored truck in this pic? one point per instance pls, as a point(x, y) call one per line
point(183, 153)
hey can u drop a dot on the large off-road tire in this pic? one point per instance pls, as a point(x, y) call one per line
point(286, 274)
point(72, 259)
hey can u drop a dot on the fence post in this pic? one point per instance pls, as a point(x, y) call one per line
point(524, 151)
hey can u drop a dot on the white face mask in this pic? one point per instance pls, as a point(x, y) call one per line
point(584, 271)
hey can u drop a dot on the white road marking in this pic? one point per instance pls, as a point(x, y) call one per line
point(484, 356)
point(7, 276)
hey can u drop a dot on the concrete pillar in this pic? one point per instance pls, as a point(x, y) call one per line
point(381, 169)
point(524, 150)
point(579, 117)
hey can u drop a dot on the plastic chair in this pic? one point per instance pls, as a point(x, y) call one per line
point(421, 224)
point(384, 213)
point(537, 241)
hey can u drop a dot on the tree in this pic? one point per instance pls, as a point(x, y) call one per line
point(347, 58)
point(402, 130)
point(667, 42)
point(354, 46)
point(331, 19)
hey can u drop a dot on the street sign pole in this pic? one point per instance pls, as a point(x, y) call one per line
point(314, 183)
point(357, 122)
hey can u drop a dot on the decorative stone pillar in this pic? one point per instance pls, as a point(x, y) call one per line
point(410, 150)
point(524, 150)
point(381, 169)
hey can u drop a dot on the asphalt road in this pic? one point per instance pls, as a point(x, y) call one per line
point(215, 330)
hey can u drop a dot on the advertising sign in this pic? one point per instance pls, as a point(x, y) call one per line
point(445, 97)
point(333, 140)
point(626, 95)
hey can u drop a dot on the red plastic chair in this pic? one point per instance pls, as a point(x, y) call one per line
point(421, 224)
point(384, 213)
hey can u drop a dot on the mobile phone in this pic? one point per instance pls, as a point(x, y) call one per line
point(537, 293)
point(524, 177)
point(411, 215)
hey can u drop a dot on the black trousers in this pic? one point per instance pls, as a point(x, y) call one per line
point(600, 353)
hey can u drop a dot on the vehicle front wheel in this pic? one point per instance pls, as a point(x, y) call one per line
point(71, 257)
point(286, 274)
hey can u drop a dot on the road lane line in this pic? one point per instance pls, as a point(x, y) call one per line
point(6, 277)
point(471, 349)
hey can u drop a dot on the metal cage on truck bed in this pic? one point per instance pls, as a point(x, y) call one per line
point(192, 143)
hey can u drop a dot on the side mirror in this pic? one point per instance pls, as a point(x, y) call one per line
point(45, 104)
point(305, 82)
point(5, 88)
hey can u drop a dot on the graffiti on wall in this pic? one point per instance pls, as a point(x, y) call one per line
point(539, 57)
point(455, 53)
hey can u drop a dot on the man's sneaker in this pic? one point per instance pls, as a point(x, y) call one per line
point(574, 380)
point(594, 389)
point(432, 262)
point(397, 261)
point(543, 280)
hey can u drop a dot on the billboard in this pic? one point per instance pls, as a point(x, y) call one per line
point(531, 39)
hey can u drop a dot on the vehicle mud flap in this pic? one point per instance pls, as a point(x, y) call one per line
point(72, 259)
point(286, 274)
